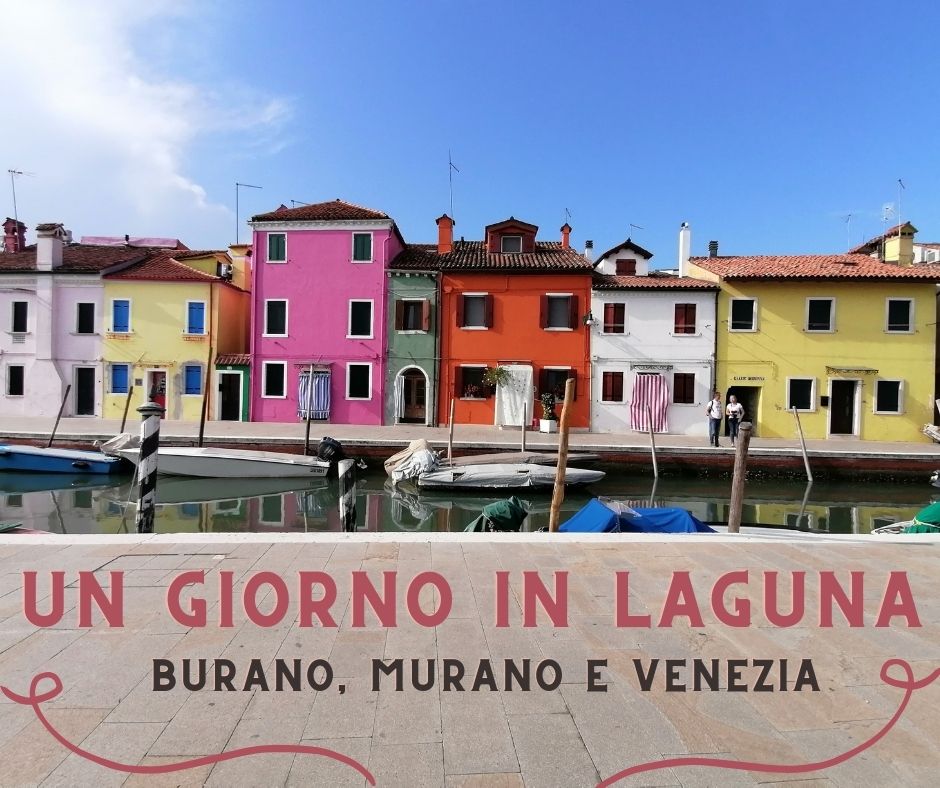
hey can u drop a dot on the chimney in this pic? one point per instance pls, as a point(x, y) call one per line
point(566, 236)
point(14, 235)
point(713, 248)
point(685, 248)
point(589, 251)
point(49, 246)
point(445, 234)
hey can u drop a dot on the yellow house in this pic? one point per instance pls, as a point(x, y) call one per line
point(166, 318)
point(847, 341)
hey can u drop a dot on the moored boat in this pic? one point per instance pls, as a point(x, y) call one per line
point(35, 459)
point(503, 476)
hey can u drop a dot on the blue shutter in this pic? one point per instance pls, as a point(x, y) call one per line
point(119, 376)
point(192, 379)
point(121, 317)
point(196, 318)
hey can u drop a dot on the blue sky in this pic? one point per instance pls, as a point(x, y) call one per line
point(763, 124)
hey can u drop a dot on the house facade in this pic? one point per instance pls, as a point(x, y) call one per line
point(514, 302)
point(318, 312)
point(652, 345)
point(166, 319)
point(847, 341)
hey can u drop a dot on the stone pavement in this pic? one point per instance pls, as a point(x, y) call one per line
point(564, 737)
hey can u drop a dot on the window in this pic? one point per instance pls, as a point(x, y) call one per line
point(275, 317)
point(801, 393)
point(272, 509)
point(274, 379)
point(195, 317)
point(468, 383)
point(277, 248)
point(475, 310)
point(743, 313)
point(558, 311)
point(360, 319)
point(413, 315)
point(683, 386)
point(358, 381)
point(16, 380)
point(85, 319)
point(612, 387)
point(120, 378)
point(888, 396)
point(362, 247)
point(192, 379)
point(510, 244)
point(615, 318)
point(819, 314)
point(899, 315)
point(684, 322)
point(553, 380)
point(120, 316)
point(626, 268)
point(20, 324)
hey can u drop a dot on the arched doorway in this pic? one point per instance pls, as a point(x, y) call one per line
point(411, 395)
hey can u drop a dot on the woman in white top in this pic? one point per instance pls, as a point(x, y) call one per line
point(734, 412)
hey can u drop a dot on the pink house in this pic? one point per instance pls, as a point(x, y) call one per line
point(318, 312)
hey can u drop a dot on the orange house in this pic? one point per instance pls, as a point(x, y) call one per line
point(514, 302)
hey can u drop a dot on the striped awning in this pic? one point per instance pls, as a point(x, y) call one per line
point(649, 402)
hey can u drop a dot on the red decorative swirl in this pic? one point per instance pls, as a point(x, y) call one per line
point(35, 698)
point(907, 683)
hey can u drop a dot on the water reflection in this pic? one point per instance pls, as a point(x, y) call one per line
point(82, 504)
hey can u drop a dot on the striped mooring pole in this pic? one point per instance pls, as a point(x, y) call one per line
point(346, 469)
point(150, 414)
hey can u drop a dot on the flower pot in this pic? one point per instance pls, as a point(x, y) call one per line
point(548, 425)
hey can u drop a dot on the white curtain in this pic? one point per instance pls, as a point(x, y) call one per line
point(515, 396)
point(399, 396)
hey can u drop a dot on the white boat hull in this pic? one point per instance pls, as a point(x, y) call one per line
point(504, 477)
point(211, 462)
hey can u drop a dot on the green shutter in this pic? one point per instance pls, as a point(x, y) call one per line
point(277, 247)
point(362, 246)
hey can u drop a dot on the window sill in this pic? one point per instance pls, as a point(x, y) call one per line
point(119, 334)
point(16, 396)
point(742, 330)
point(276, 262)
point(360, 336)
point(899, 331)
point(273, 396)
point(84, 334)
point(558, 328)
point(194, 337)
point(614, 333)
point(887, 413)
point(361, 262)
point(274, 336)
point(473, 399)
point(819, 331)
point(358, 399)
point(684, 335)
point(410, 331)
point(475, 328)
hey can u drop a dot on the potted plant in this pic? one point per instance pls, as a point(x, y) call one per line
point(549, 421)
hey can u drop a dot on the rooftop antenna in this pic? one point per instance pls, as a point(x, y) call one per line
point(16, 218)
point(450, 177)
point(636, 227)
point(295, 203)
point(887, 211)
point(848, 231)
point(901, 188)
point(237, 187)
point(567, 216)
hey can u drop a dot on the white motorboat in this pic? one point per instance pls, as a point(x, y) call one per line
point(503, 476)
point(213, 462)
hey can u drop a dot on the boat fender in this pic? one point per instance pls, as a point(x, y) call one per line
point(79, 464)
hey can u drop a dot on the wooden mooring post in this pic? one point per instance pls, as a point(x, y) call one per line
point(740, 474)
point(58, 417)
point(649, 424)
point(799, 430)
point(558, 494)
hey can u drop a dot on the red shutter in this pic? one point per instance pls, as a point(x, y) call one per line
point(426, 315)
point(690, 317)
point(626, 268)
point(543, 311)
point(618, 386)
point(543, 381)
point(399, 315)
point(488, 310)
point(608, 319)
point(607, 381)
point(458, 382)
point(573, 315)
point(459, 311)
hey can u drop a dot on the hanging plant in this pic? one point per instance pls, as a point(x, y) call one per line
point(497, 376)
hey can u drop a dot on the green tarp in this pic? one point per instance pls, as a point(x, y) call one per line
point(504, 515)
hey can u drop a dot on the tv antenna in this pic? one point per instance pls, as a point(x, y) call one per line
point(237, 187)
point(13, 174)
point(848, 231)
point(295, 203)
point(636, 227)
point(450, 179)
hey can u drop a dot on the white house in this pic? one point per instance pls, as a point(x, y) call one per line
point(652, 344)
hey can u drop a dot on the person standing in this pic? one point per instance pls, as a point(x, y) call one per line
point(714, 412)
point(734, 413)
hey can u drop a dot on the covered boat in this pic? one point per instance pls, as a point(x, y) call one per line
point(503, 476)
point(35, 459)
point(602, 516)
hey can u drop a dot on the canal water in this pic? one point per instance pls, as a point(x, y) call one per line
point(103, 505)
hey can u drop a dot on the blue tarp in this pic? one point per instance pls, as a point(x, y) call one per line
point(595, 517)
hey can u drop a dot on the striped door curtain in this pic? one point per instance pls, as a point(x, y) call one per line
point(650, 400)
point(315, 397)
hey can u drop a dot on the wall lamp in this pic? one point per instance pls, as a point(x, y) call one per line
point(589, 320)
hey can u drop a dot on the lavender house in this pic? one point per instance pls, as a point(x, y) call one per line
point(318, 312)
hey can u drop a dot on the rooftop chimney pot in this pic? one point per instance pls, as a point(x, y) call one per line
point(566, 236)
point(445, 234)
point(14, 235)
point(713, 248)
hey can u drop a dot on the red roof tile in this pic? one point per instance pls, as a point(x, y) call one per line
point(76, 258)
point(162, 267)
point(874, 243)
point(336, 210)
point(472, 256)
point(815, 267)
point(651, 282)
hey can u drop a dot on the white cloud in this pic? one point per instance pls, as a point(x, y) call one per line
point(99, 107)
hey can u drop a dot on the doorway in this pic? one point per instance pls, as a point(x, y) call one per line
point(749, 397)
point(515, 396)
point(230, 396)
point(842, 395)
point(156, 386)
point(84, 402)
point(414, 396)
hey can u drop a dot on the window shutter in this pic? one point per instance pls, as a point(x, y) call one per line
point(608, 319)
point(193, 379)
point(460, 299)
point(426, 315)
point(543, 311)
point(488, 310)
point(543, 381)
point(572, 311)
point(618, 386)
point(606, 386)
point(399, 315)
point(458, 382)
point(120, 317)
point(690, 317)
point(195, 323)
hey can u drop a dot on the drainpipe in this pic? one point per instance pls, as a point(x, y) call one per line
point(715, 348)
point(252, 323)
